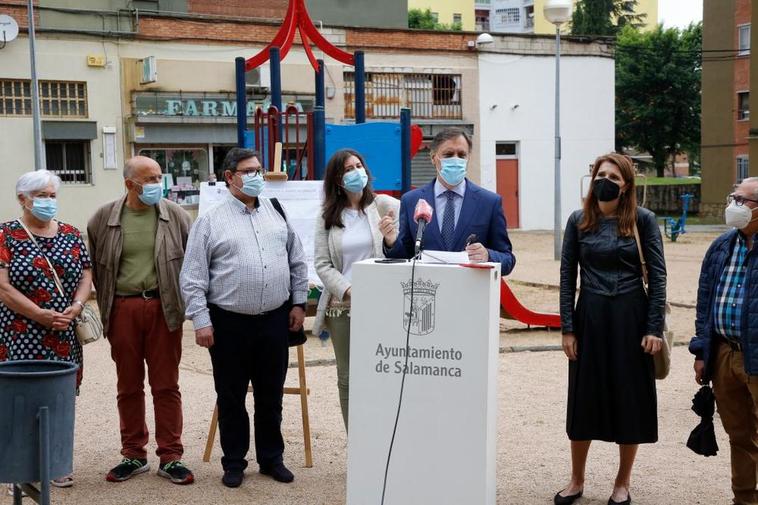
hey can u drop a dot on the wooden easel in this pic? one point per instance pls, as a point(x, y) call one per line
point(302, 390)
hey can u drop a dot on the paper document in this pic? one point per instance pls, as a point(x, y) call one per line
point(446, 257)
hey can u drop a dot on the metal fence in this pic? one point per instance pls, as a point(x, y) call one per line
point(429, 96)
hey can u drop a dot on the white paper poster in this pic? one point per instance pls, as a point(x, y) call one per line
point(301, 201)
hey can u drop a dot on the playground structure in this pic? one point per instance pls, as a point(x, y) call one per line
point(672, 228)
point(378, 142)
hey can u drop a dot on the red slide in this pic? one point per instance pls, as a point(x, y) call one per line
point(513, 308)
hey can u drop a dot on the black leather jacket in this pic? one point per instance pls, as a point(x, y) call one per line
point(611, 265)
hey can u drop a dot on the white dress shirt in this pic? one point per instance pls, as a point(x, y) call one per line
point(243, 260)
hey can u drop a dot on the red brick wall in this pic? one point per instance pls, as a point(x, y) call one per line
point(273, 9)
point(741, 80)
point(160, 28)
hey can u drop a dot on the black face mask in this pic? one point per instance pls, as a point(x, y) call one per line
point(605, 190)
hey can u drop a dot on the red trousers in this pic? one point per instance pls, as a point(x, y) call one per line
point(138, 334)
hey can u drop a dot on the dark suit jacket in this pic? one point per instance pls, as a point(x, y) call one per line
point(481, 213)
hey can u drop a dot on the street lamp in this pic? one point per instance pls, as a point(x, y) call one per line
point(557, 12)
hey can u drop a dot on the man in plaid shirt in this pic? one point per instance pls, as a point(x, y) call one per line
point(726, 334)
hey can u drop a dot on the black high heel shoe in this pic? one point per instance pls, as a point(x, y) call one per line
point(566, 500)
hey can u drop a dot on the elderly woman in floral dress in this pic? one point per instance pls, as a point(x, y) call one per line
point(36, 320)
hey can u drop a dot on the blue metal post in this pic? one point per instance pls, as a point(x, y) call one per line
point(239, 65)
point(360, 88)
point(320, 84)
point(405, 149)
point(276, 85)
point(319, 142)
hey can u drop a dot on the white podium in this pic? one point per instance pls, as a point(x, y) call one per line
point(445, 446)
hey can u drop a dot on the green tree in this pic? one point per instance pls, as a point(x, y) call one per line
point(658, 92)
point(425, 20)
point(604, 17)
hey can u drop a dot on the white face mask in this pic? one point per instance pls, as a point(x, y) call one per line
point(738, 216)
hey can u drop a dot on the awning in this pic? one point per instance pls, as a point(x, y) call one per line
point(69, 130)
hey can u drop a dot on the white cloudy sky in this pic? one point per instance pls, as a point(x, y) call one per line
point(679, 13)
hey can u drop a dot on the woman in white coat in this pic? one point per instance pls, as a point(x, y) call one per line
point(352, 227)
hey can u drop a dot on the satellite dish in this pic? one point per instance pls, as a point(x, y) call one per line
point(8, 28)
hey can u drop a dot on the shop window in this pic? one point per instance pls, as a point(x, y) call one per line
point(70, 160)
point(57, 98)
point(183, 168)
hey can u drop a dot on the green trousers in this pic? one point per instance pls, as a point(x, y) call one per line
point(339, 332)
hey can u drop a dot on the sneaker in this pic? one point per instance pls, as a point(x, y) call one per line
point(127, 469)
point(176, 472)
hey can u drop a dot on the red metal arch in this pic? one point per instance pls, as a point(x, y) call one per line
point(298, 19)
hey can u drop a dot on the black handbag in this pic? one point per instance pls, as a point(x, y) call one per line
point(295, 338)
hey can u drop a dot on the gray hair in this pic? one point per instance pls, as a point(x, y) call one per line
point(752, 180)
point(36, 180)
point(450, 133)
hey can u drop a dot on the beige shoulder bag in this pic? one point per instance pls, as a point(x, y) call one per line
point(661, 359)
point(89, 327)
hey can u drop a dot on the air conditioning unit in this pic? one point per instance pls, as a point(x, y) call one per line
point(259, 78)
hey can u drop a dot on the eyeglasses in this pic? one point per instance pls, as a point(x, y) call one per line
point(738, 200)
point(255, 171)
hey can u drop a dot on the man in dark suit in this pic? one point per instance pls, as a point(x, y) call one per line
point(461, 209)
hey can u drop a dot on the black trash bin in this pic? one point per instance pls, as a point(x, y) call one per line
point(36, 407)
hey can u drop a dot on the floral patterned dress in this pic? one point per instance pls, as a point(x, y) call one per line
point(22, 338)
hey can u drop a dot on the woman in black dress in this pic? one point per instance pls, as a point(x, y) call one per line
point(614, 330)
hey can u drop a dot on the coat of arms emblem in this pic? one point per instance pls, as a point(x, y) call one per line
point(421, 315)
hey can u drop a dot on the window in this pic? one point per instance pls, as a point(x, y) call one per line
point(70, 160)
point(57, 98)
point(743, 106)
point(184, 169)
point(743, 164)
point(436, 17)
point(510, 16)
point(429, 96)
point(457, 18)
point(744, 39)
point(506, 149)
point(482, 23)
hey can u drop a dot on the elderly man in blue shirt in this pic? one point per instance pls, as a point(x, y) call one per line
point(726, 334)
point(245, 284)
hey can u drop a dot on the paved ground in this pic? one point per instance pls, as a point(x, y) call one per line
point(533, 461)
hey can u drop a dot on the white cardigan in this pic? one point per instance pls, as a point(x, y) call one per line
point(328, 253)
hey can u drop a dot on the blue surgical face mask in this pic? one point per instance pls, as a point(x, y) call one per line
point(355, 180)
point(253, 184)
point(453, 170)
point(151, 193)
point(44, 209)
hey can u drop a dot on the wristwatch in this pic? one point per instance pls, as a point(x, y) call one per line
point(79, 302)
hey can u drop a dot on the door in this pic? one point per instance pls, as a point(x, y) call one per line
point(507, 173)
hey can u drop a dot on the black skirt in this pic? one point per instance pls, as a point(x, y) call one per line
point(611, 393)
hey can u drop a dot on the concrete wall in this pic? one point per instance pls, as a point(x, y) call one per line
point(718, 115)
point(517, 104)
point(387, 13)
point(63, 60)
point(446, 8)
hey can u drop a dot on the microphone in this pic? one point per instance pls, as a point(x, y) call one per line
point(422, 216)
